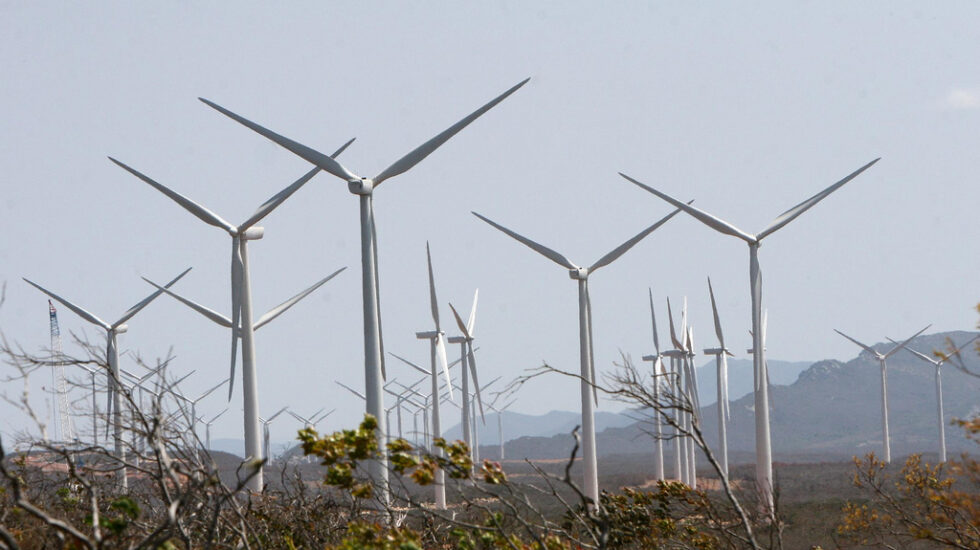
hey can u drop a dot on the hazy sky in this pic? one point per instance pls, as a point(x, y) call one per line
point(749, 110)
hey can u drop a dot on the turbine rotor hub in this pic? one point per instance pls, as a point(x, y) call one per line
point(363, 186)
point(579, 274)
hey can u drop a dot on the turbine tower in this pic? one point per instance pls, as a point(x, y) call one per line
point(676, 383)
point(374, 367)
point(938, 363)
point(62, 408)
point(721, 354)
point(207, 429)
point(249, 382)
point(112, 359)
point(587, 364)
point(882, 361)
point(659, 375)
point(763, 442)
point(241, 296)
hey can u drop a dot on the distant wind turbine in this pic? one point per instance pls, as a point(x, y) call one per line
point(659, 375)
point(587, 364)
point(468, 361)
point(721, 354)
point(112, 359)
point(364, 188)
point(938, 363)
point(763, 443)
point(882, 361)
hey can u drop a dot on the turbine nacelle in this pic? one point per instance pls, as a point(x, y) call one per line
point(121, 329)
point(362, 186)
point(579, 274)
point(253, 233)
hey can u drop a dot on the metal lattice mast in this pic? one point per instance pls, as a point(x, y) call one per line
point(63, 412)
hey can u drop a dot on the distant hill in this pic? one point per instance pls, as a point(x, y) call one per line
point(516, 425)
point(832, 411)
point(740, 377)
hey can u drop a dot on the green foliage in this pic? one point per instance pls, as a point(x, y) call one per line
point(371, 536)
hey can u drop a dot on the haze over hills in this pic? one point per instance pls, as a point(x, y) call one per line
point(832, 410)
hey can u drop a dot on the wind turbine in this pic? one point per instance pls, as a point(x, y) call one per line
point(193, 403)
point(207, 429)
point(467, 359)
point(763, 440)
point(658, 376)
point(694, 394)
point(112, 358)
point(938, 363)
point(587, 364)
point(500, 425)
point(249, 382)
point(364, 188)
point(676, 384)
point(241, 294)
point(266, 450)
point(882, 361)
point(437, 355)
point(721, 354)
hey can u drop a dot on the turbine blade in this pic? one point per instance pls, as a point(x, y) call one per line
point(588, 321)
point(408, 161)
point(207, 393)
point(621, 249)
point(794, 212)
point(539, 248)
point(283, 307)
point(459, 321)
point(471, 322)
point(863, 346)
point(237, 282)
point(711, 221)
point(714, 311)
point(79, 311)
point(146, 301)
point(670, 321)
point(306, 153)
point(441, 361)
point(277, 199)
point(476, 380)
point(350, 389)
point(411, 364)
point(207, 312)
point(653, 316)
point(433, 304)
point(918, 354)
point(765, 323)
point(202, 213)
point(377, 289)
point(906, 342)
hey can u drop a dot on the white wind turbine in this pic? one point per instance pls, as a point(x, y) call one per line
point(249, 381)
point(938, 363)
point(207, 428)
point(882, 361)
point(437, 353)
point(763, 443)
point(374, 368)
point(694, 394)
point(114, 405)
point(721, 354)
point(587, 364)
point(676, 385)
point(193, 403)
point(241, 294)
point(266, 434)
point(468, 361)
point(659, 374)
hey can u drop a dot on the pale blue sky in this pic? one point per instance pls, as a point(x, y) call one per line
point(749, 111)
